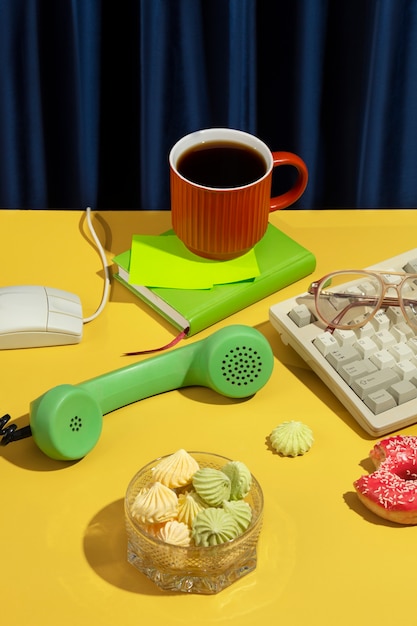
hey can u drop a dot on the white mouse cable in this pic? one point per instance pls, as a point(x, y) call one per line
point(100, 249)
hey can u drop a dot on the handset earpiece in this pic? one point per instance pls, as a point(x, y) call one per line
point(235, 361)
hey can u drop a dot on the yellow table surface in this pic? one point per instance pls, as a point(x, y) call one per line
point(322, 558)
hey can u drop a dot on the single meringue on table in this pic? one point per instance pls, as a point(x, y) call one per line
point(292, 438)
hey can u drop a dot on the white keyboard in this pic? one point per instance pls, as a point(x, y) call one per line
point(374, 380)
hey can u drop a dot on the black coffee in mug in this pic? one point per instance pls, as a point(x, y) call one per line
point(221, 164)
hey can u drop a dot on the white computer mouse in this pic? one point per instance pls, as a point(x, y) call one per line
point(33, 316)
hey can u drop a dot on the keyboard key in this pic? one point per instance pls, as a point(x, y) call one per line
point(403, 391)
point(406, 370)
point(395, 315)
point(356, 369)
point(337, 303)
point(383, 359)
point(366, 347)
point(301, 316)
point(380, 401)
point(367, 330)
point(401, 352)
point(391, 279)
point(384, 339)
point(325, 343)
point(344, 337)
point(340, 357)
point(412, 343)
point(381, 379)
point(367, 288)
point(380, 321)
point(402, 332)
point(411, 266)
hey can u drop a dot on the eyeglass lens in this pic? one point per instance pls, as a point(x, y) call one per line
point(350, 298)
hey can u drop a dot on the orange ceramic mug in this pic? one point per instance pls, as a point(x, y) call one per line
point(221, 190)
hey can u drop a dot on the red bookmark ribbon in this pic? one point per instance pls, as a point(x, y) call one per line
point(172, 343)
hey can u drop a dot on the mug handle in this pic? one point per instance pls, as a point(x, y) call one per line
point(291, 196)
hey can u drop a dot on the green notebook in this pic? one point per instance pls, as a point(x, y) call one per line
point(281, 261)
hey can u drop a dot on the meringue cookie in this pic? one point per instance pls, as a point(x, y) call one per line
point(292, 438)
point(240, 479)
point(155, 503)
point(176, 533)
point(240, 511)
point(212, 485)
point(176, 470)
point(212, 527)
point(189, 505)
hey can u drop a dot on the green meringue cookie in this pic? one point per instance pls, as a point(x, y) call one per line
point(292, 438)
point(212, 485)
point(240, 511)
point(240, 479)
point(212, 526)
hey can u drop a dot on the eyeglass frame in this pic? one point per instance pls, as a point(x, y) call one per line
point(383, 301)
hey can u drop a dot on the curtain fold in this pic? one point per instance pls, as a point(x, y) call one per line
point(309, 77)
point(197, 69)
point(388, 150)
point(93, 95)
point(21, 128)
point(85, 26)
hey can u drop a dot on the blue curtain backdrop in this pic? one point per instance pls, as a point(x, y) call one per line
point(94, 93)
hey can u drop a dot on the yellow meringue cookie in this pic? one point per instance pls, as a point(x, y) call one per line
point(176, 533)
point(175, 470)
point(292, 438)
point(189, 504)
point(155, 503)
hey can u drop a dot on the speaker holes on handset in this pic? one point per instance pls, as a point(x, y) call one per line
point(241, 366)
point(75, 423)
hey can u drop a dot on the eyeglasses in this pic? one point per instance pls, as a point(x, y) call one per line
point(350, 298)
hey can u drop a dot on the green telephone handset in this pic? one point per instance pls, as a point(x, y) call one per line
point(66, 421)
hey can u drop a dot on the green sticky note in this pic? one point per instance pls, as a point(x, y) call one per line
point(164, 261)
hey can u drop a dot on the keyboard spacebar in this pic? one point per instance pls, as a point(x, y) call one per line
point(375, 381)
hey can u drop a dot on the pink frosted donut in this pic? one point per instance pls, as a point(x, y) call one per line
point(391, 491)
